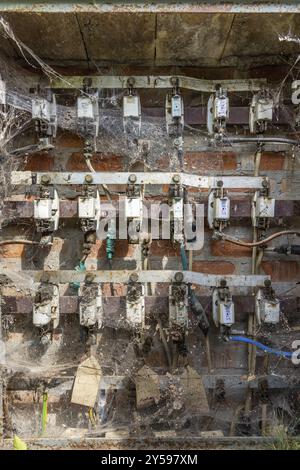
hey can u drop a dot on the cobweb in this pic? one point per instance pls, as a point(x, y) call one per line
point(22, 359)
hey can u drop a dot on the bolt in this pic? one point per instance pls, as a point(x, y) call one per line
point(220, 184)
point(174, 81)
point(133, 277)
point(88, 179)
point(178, 277)
point(132, 178)
point(45, 179)
point(45, 277)
point(267, 283)
point(176, 179)
point(223, 283)
point(130, 82)
point(89, 278)
point(45, 339)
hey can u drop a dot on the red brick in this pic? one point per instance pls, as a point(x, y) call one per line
point(40, 162)
point(164, 248)
point(213, 267)
point(282, 270)
point(224, 248)
point(13, 250)
point(272, 161)
point(207, 162)
point(123, 249)
point(119, 290)
point(69, 140)
point(99, 162)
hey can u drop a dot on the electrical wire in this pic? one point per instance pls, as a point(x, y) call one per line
point(242, 339)
point(103, 186)
point(262, 140)
point(23, 242)
point(236, 241)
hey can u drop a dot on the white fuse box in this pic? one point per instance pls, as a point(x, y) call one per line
point(90, 305)
point(263, 110)
point(47, 209)
point(88, 207)
point(133, 208)
point(222, 208)
point(176, 106)
point(226, 313)
point(265, 207)
point(2, 92)
point(266, 310)
point(41, 109)
point(47, 310)
point(85, 108)
point(43, 209)
point(221, 108)
point(261, 113)
point(178, 311)
point(135, 309)
point(131, 106)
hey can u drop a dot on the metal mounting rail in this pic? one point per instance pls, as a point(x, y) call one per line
point(139, 6)
point(154, 178)
point(152, 81)
point(163, 276)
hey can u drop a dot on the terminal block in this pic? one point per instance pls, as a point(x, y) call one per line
point(174, 110)
point(46, 212)
point(267, 306)
point(261, 112)
point(135, 302)
point(88, 114)
point(217, 111)
point(176, 201)
point(90, 304)
point(218, 208)
point(44, 113)
point(132, 115)
point(134, 209)
point(46, 310)
point(178, 305)
point(263, 207)
point(89, 209)
point(223, 307)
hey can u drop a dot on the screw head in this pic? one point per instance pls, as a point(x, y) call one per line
point(267, 283)
point(132, 178)
point(223, 283)
point(130, 82)
point(178, 277)
point(88, 179)
point(133, 277)
point(45, 179)
point(220, 184)
point(176, 179)
point(89, 278)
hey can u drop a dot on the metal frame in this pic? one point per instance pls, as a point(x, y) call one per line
point(155, 81)
point(29, 178)
point(114, 6)
point(144, 276)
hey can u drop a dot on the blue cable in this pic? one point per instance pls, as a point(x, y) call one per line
point(265, 348)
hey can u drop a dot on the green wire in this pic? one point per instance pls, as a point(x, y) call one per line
point(80, 268)
point(44, 412)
